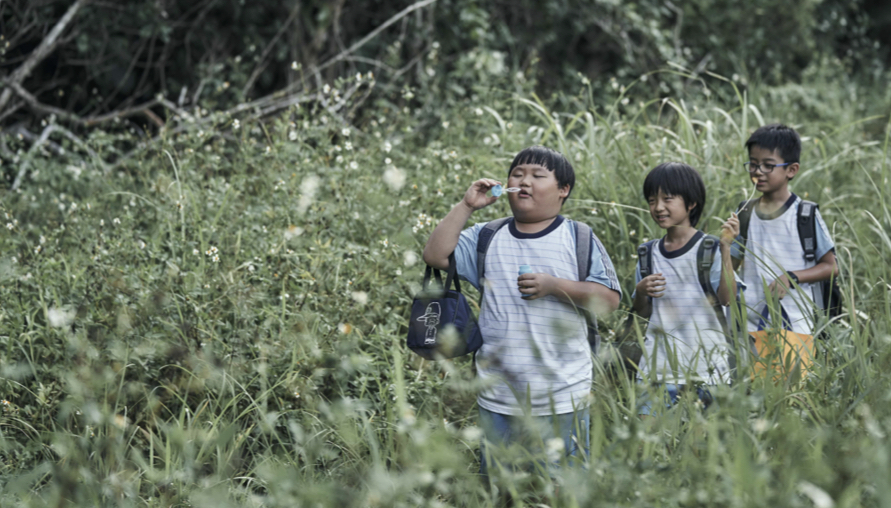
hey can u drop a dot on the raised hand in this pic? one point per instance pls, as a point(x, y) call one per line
point(476, 198)
point(730, 230)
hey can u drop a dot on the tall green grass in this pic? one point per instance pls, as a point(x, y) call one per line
point(138, 370)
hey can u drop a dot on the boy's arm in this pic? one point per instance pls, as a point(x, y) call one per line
point(579, 293)
point(729, 235)
point(641, 305)
point(727, 287)
point(825, 269)
point(444, 238)
point(599, 292)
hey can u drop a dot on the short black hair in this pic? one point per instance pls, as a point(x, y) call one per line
point(677, 179)
point(552, 160)
point(777, 137)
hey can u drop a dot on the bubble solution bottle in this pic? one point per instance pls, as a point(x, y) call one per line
point(497, 190)
point(523, 270)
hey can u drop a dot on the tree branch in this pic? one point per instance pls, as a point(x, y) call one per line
point(261, 64)
point(47, 45)
point(374, 33)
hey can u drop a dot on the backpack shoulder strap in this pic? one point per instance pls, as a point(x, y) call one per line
point(705, 258)
point(482, 245)
point(583, 235)
point(807, 229)
point(744, 213)
point(583, 241)
point(645, 258)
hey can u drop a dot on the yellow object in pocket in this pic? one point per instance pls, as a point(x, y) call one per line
point(787, 355)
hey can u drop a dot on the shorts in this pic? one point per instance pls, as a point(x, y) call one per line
point(672, 394)
point(553, 436)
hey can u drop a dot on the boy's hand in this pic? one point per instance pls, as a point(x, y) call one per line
point(475, 197)
point(730, 230)
point(536, 285)
point(780, 286)
point(652, 285)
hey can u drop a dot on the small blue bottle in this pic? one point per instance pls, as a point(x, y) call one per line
point(525, 269)
point(496, 191)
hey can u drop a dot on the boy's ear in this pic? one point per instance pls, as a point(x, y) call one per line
point(792, 170)
point(564, 191)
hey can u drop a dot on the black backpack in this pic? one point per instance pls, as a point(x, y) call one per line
point(583, 259)
point(807, 233)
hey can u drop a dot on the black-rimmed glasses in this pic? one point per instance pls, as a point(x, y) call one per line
point(765, 168)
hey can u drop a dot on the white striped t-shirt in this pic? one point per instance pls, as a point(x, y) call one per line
point(773, 247)
point(685, 341)
point(535, 350)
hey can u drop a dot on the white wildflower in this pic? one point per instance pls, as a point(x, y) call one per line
point(394, 178)
point(293, 232)
point(308, 189)
point(60, 318)
point(345, 131)
point(554, 448)
point(360, 297)
point(354, 165)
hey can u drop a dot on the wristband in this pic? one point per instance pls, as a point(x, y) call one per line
point(792, 276)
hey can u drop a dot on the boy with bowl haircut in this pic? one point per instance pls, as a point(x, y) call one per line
point(686, 343)
point(535, 361)
point(770, 248)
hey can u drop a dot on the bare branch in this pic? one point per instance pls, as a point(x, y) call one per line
point(262, 62)
point(374, 33)
point(142, 109)
point(47, 45)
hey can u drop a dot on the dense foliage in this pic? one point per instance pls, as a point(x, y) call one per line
point(207, 307)
point(220, 320)
point(218, 53)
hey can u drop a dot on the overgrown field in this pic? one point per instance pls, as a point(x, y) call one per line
point(219, 321)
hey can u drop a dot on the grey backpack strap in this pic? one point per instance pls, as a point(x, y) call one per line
point(584, 237)
point(482, 246)
point(645, 258)
point(705, 258)
point(583, 240)
point(807, 229)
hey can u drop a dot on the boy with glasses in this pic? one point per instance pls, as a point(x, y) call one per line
point(775, 258)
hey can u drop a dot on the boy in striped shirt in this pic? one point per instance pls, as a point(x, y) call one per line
point(686, 343)
point(535, 362)
point(770, 249)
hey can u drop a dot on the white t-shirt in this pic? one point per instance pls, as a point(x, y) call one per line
point(774, 247)
point(535, 350)
point(685, 341)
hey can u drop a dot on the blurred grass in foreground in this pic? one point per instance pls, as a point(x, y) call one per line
point(220, 323)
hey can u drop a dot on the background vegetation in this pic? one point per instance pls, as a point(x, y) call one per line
point(203, 294)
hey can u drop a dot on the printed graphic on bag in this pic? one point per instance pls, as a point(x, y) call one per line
point(431, 321)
